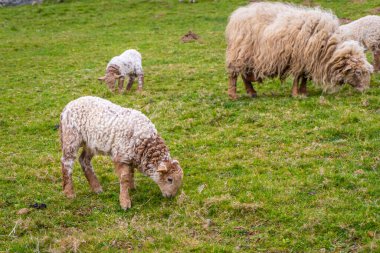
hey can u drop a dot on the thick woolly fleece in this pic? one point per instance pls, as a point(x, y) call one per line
point(274, 39)
point(102, 127)
point(128, 63)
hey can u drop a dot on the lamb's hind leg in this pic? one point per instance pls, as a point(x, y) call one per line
point(85, 162)
point(70, 145)
point(67, 162)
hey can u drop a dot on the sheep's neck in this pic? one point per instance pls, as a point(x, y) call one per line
point(113, 69)
point(151, 152)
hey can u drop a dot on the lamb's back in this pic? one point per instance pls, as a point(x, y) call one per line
point(105, 126)
point(366, 30)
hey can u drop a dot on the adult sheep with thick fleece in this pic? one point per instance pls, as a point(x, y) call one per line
point(366, 31)
point(275, 39)
point(128, 64)
point(126, 135)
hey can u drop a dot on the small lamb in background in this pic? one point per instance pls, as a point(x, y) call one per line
point(190, 1)
point(127, 135)
point(128, 64)
point(366, 31)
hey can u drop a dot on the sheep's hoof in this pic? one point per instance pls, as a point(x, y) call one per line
point(98, 190)
point(233, 96)
point(126, 204)
point(69, 195)
point(302, 95)
point(253, 95)
point(299, 95)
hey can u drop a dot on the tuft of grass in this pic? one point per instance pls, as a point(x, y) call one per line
point(272, 174)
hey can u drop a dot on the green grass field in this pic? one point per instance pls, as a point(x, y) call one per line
point(272, 174)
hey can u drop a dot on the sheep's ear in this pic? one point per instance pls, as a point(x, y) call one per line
point(102, 78)
point(347, 68)
point(162, 168)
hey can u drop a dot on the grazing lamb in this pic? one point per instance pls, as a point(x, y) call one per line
point(274, 39)
point(127, 64)
point(366, 30)
point(127, 135)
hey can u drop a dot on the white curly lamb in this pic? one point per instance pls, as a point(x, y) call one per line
point(366, 30)
point(128, 64)
point(126, 135)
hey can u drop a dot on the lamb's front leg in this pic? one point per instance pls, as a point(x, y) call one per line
point(130, 82)
point(122, 170)
point(121, 84)
point(140, 79)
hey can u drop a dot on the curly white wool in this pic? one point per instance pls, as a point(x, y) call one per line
point(127, 135)
point(106, 128)
point(129, 63)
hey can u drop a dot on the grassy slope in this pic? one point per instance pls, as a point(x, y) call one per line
point(278, 174)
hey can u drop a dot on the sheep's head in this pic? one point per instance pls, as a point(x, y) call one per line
point(168, 176)
point(351, 66)
point(110, 79)
point(358, 74)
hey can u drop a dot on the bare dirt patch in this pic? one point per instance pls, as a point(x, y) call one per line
point(190, 36)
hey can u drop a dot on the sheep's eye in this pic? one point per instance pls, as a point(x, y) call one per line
point(170, 180)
